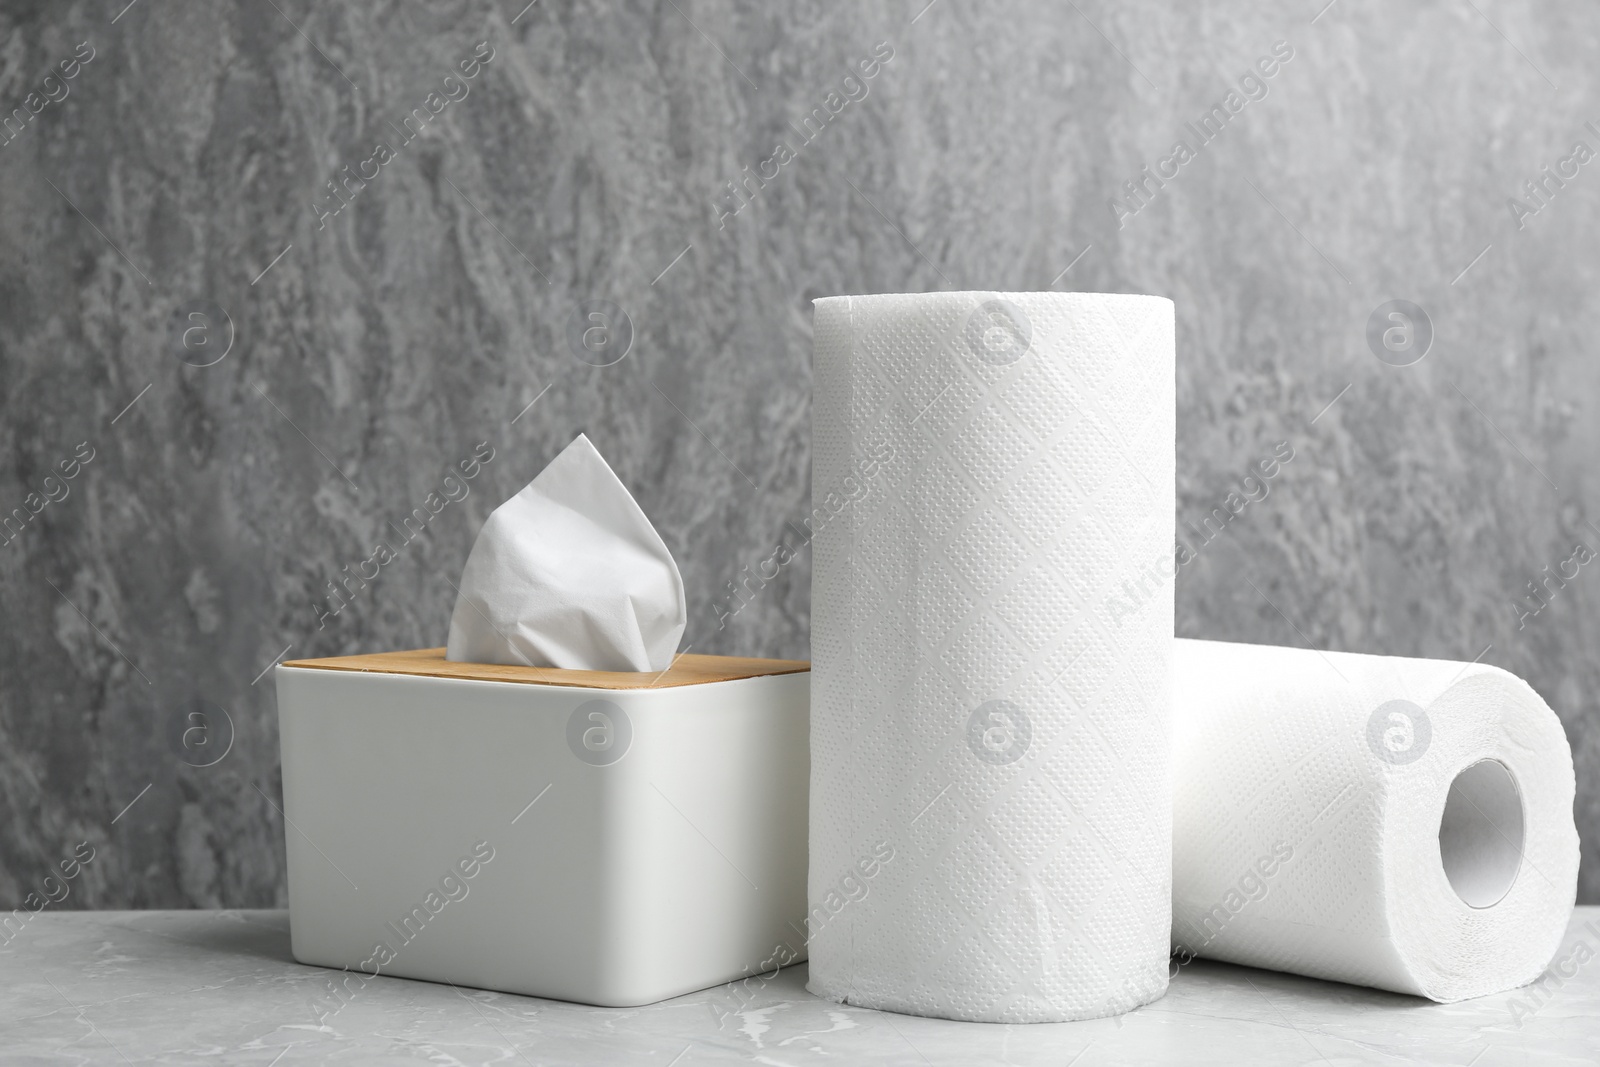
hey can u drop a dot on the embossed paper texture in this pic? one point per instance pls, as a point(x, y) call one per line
point(991, 635)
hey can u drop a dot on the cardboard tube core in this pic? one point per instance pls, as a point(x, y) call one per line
point(1480, 833)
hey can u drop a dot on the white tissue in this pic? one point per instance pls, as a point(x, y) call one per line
point(991, 631)
point(1314, 815)
point(569, 573)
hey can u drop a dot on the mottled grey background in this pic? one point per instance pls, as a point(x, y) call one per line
point(592, 151)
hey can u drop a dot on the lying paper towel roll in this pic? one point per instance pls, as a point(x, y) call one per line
point(1399, 823)
point(991, 633)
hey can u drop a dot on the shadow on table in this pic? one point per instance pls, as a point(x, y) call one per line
point(1280, 989)
point(259, 934)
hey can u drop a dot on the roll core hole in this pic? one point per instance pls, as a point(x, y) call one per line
point(1480, 833)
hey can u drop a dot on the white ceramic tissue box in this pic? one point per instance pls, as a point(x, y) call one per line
point(607, 838)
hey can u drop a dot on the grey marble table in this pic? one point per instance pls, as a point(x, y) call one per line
point(190, 987)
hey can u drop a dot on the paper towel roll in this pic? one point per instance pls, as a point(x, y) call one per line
point(991, 636)
point(1399, 823)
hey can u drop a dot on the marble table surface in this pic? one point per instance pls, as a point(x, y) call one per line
point(177, 987)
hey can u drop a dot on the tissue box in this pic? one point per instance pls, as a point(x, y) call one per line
point(608, 838)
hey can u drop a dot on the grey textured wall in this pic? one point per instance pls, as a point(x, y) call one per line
point(588, 160)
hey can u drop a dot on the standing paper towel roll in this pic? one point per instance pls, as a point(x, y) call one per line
point(1399, 823)
point(991, 636)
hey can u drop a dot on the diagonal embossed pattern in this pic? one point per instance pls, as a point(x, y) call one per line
point(990, 653)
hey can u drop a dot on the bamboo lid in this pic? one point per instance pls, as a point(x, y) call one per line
point(687, 669)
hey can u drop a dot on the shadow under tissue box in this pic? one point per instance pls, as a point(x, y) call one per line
point(604, 837)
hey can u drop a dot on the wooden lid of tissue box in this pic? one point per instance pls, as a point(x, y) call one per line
point(685, 670)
